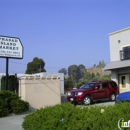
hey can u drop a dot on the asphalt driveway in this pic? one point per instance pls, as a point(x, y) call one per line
point(12, 122)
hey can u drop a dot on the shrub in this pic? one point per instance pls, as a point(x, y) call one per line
point(10, 102)
point(19, 106)
point(12, 83)
point(68, 117)
point(4, 111)
point(7, 97)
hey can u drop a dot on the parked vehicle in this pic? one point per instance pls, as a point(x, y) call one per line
point(94, 91)
point(123, 97)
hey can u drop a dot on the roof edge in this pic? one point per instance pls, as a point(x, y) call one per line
point(119, 31)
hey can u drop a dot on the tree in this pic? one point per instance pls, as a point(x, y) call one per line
point(63, 70)
point(12, 83)
point(36, 66)
point(72, 71)
point(101, 64)
point(94, 65)
point(68, 83)
point(76, 72)
point(80, 84)
point(92, 75)
point(82, 70)
point(87, 77)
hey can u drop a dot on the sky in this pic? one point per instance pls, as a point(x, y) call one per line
point(62, 32)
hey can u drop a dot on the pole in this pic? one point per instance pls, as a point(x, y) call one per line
point(6, 83)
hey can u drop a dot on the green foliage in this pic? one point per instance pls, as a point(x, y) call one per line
point(76, 72)
point(12, 83)
point(80, 84)
point(68, 83)
point(63, 70)
point(101, 78)
point(72, 71)
point(10, 102)
point(68, 117)
point(4, 111)
point(108, 77)
point(3, 83)
point(88, 77)
point(101, 64)
point(19, 106)
point(36, 66)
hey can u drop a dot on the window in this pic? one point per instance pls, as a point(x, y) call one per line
point(113, 84)
point(98, 86)
point(123, 81)
point(87, 86)
point(105, 85)
point(126, 52)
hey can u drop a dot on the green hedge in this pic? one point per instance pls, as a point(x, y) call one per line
point(10, 102)
point(12, 83)
point(68, 117)
point(4, 111)
point(19, 106)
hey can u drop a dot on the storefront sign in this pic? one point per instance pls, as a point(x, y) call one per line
point(11, 47)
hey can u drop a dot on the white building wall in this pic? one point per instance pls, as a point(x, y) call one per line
point(114, 76)
point(40, 91)
point(118, 40)
point(61, 75)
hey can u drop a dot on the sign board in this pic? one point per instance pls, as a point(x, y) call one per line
point(11, 47)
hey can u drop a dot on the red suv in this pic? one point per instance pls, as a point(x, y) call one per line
point(94, 91)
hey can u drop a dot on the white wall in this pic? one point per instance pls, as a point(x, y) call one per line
point(61, 75)
point(40, 91)
point(115, 46)
point(114, 76)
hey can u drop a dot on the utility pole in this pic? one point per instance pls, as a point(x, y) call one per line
point(6, 81)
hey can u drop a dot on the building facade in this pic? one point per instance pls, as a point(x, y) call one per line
point(61, 75)
point(40, 91)
point(120, 58)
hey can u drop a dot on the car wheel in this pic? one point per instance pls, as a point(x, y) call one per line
point(113, 97)
point(87, 100)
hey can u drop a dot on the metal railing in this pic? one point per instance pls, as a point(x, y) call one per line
point(124, 55)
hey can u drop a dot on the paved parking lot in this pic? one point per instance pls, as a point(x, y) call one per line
point(103, 103)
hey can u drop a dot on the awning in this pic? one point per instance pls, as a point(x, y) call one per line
point(117, 65)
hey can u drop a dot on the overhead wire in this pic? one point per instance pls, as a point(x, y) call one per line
point(26, 64)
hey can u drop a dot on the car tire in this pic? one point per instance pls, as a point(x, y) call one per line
point(113, 97)
point(87, 100)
